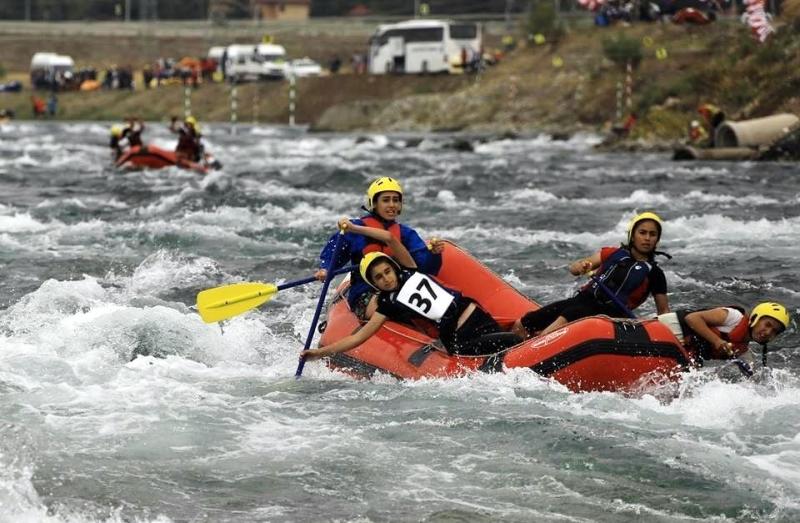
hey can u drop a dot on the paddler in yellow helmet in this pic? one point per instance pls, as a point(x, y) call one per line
point(629, 272)
point(190, 146)
point(114, 143)
point(404, 294)
point(384, 204)
point(722, 333)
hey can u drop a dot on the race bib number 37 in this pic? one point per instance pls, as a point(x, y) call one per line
point(424, 296)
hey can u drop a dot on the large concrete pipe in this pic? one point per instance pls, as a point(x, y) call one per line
point(756, 132)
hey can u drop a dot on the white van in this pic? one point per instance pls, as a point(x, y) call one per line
point(255, 62)
point(215, 53)
point(48, 68)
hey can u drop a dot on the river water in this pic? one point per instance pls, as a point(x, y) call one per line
point(118, 404)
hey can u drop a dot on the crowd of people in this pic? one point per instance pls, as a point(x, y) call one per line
point(393, 260)
point(694, 12)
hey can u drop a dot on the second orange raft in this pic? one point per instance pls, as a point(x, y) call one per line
point(153, 157)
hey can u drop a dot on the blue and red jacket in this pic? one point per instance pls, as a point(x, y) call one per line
point(353, 247)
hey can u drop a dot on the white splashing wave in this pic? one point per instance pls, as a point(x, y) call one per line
point(82, 129)
point(82, 203)
point(24, 223)
point(640, 197)
point(19, 161)
point(523, 236)
point(93, 330)
point(257, 130)
point(164, 269)
point(709, 229)
point(577, 141)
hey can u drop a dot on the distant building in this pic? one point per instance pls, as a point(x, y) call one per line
point(359, 10)
point(283, 9)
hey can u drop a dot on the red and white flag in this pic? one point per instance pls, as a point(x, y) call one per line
point(760, 25)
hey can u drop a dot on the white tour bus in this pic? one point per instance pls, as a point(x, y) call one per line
point(424, 46)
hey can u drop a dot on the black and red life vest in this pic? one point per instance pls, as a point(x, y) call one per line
point(739, 336)
point(623, 274)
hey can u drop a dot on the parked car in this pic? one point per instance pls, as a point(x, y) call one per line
point(304, 67)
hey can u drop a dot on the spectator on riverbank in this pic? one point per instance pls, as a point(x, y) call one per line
point(147, 76)
point(697, 135)
point(37, 104)
point(624, 129)
point(52, 105)
point(713, 116)
point(335, 65)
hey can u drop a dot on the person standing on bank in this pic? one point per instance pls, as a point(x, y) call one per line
point(384, 205)
point(629, 272)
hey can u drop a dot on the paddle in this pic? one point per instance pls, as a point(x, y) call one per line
point(320, 303)
point(624, 308)
point(221, 303)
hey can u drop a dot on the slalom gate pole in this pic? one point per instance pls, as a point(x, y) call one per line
point(292, 96)
point(187, 101)
point(234, 108)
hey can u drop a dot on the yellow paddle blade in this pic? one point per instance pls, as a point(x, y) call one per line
point(221, 303)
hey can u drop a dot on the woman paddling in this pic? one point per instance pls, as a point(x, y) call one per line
point(407, 295)
point(384, 204)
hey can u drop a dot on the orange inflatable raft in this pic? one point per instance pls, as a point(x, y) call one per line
point(591, 354)
point(152, 157)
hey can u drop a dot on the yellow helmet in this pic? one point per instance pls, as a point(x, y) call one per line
point(116, 131)
point(369, 259)
point(771, 309)
point(191, 120)
point(640, 218)
point(382, 185)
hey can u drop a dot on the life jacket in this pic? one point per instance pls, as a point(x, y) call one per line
point(189, 144)
point(134, 136)
point(626, 276)
point(739, 336)
point(374, 245)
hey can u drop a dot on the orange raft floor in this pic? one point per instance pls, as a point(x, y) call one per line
point(153, 157)
point(591, 354)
